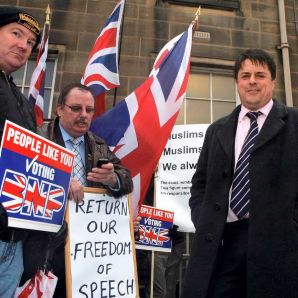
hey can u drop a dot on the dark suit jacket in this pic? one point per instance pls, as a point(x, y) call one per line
point(272, 261)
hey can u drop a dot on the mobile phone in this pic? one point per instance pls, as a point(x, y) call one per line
point(101, 161)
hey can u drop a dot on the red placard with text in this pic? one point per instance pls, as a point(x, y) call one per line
point(154, 229)
point(34, 175)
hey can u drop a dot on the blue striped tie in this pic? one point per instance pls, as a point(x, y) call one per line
point(78, 168)
point(241, 182)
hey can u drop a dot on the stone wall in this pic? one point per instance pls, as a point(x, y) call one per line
point(149, 24)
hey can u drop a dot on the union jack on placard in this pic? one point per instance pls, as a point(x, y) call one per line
point(41, 199)
point(153, 235)
point(28, 196)
point(12, 191)
point(101, 73)
point(139, 126)
point(36, 90)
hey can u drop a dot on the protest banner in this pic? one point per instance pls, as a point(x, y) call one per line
point(35, 175)
point(154, 229)
point(175, 170)
point(100, 251)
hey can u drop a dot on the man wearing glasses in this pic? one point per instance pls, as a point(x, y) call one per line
point(70, 129)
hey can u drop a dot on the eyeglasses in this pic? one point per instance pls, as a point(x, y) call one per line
point(79, 109)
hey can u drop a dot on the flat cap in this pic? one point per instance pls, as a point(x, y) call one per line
point(13, 14)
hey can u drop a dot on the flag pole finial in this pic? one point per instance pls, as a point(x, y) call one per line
point(195, 22)
point(48, 14)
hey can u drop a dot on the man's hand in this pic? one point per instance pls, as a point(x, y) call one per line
point(3, 220)
point(76, 191)
point(136, 227)
point(104, 175)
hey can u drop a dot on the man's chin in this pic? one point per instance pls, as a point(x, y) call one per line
point(81, 131)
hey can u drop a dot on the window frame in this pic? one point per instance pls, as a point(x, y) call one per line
point(210, 66)
point(22, 86)
point(217, 4)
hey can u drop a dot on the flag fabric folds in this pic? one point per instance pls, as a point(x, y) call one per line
point(138, 127)
point(42, 285)
point(36, 90)
point(101, 73)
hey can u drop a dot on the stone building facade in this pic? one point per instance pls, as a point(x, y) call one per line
point(149, 24)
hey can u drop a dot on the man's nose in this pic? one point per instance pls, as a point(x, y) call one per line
point(23, 44)
point(252, 79)
point(84, 112)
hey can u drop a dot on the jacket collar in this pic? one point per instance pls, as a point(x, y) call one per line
point(273, 123)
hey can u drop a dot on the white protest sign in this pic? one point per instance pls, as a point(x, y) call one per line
point(175, 170)
point(101, 251)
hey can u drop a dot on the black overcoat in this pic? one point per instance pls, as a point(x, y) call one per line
point(272, 261)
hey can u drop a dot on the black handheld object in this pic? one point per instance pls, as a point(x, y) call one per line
point(101, 161)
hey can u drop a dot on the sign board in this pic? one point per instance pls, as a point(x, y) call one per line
point(35, 175)
point(154, 229)
point(175, 170)
point(201, 35)
point(101, 247)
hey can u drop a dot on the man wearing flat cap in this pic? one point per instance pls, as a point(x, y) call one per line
point(19, 35)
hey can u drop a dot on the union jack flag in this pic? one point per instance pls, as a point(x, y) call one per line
point(101, 73)
point(153, 235)
point(12, 191)
point(42, 200)
point(139, 126)
point(36, 90)
point(26, 196)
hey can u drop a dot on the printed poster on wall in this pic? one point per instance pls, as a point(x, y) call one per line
point(34, 175)
point(175, 170)
point(101, 247)
point(154, 229)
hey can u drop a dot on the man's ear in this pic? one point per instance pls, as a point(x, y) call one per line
point(59, 110)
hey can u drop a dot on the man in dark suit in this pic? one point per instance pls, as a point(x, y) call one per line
point(75, 110)
point(244, 195)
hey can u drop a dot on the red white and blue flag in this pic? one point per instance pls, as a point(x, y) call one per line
point(138, 127)
point(101, 73)
point(36, 90)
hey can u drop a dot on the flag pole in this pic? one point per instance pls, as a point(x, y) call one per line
point(48, 15)
point(119, 52)
point(195, 22)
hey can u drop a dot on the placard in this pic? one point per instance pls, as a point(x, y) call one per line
point(175, 170)
point(101, 247)
point(154, 229)
point(35, 176)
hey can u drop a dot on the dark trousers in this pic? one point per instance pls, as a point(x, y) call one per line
point(229, 276)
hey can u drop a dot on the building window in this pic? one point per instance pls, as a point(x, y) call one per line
point(219, 4)
point(211, 94)
point(22, 78)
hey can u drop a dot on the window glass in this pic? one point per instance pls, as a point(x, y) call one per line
point(22, 78)
point(210, 95)
point(223, 87)
point(18, 76)
point(30, 69)
point(199, 85)
point(198, 111)
point(221, 108)
point(180, 118)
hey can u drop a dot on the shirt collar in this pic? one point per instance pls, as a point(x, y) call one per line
point(265, 110)
point(66, 136)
